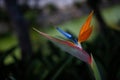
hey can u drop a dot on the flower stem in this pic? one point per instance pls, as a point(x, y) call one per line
point(95, 70)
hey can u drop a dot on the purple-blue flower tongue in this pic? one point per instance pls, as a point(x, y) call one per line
point(67, 35)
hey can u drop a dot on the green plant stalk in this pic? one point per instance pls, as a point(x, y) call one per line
point(95, 70)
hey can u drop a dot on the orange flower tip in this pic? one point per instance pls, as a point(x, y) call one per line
point(86, 29)
point(85, 35)
point(92, 12)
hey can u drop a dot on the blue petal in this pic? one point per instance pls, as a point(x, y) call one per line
point(67, 35)
point(64, 33)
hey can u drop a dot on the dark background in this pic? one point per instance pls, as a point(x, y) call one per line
point(25, 55)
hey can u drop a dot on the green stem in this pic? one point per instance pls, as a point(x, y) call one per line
point(95, 70)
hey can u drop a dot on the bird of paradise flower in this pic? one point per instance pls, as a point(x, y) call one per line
point(74, 47)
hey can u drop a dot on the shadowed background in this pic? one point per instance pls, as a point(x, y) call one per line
point(25, 55)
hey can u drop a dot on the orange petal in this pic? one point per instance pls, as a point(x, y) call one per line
point(86, 29)
point(84, 36)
